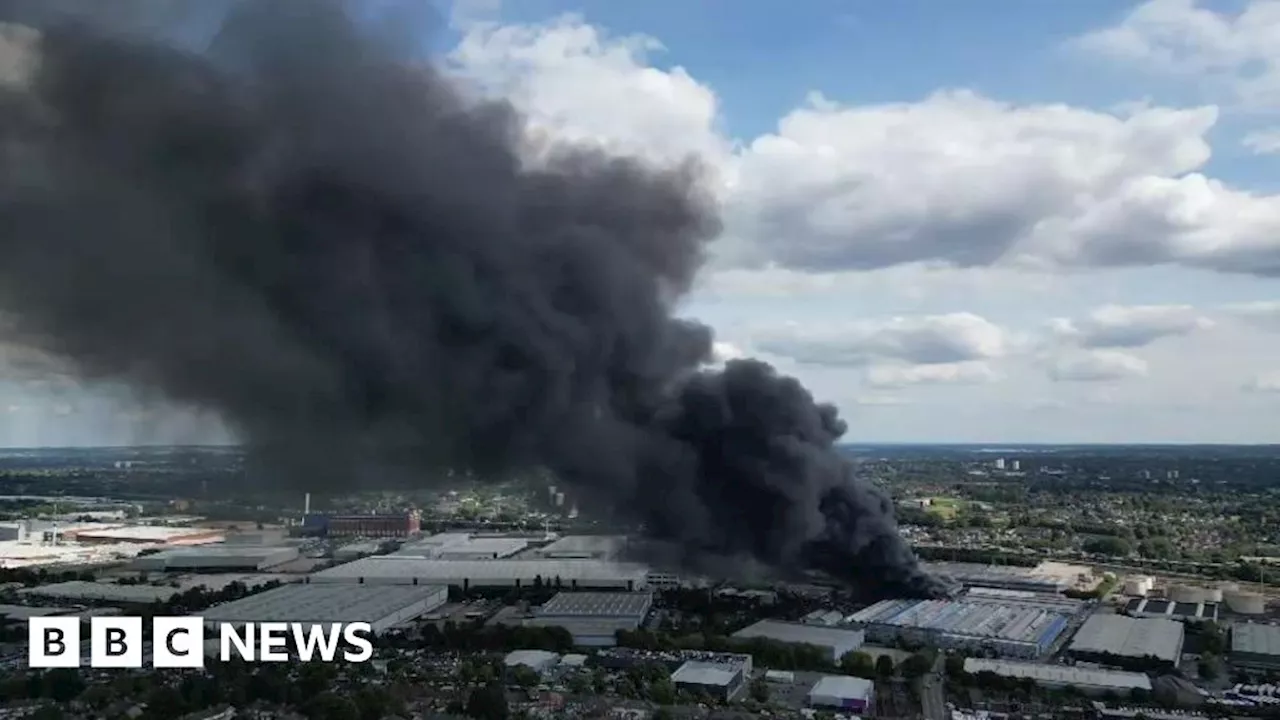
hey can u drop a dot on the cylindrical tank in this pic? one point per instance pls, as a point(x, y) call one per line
point(1245, 602)
point(1135, 587)
point(1213, 595)
point(1186, 594)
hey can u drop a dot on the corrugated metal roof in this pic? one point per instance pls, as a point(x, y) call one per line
point(594, 604)
point(844, 687)
point(1061, 674)
point(322, 604)
point(819, 635)
point(1130, 637)
point(1255, 638)
point(393, 566)
point(695, 672)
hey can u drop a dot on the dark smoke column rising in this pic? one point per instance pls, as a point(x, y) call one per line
point(325, 242)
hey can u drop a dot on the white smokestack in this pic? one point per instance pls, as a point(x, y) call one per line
point(306, 504)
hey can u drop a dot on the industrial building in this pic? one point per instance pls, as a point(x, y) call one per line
point(598, 547)
point(1044, 578)
point(1087, 680)
point(592, 618)
point(539, 661)
point(1104, 636)
point(382, 607)
point(1255, 646)
point(21, 613)
point(14, 531)
point(221, 558)
point(377, 525)
point(355, 551)
point(144, 534)
point(463, 546)
point(722, 680)
point(838, 642)
point(1001, 628)
point(83, 590)
point(843, 692)
point(1160, 608)
point(406, 570)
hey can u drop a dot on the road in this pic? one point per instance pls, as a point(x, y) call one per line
point(933, 696)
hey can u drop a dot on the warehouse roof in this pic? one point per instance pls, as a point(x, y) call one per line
point(23, 612)
point(1130, 637)
point(697, 672)
point(393, 566)
point(322, 604)
point(598, 545)
point(497, 546)
point(85, 590)
point(530, 658)
point(597, 604)
point(222, 551)
point(1255, 638)
point(1061, 674)
point(819, 635)
point(146, 532)
point(843, 686)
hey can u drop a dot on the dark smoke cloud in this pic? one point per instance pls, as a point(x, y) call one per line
point(306, 231)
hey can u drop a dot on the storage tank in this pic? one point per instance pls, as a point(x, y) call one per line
point(1213, 595)
point(1187, 594)
point(1137, 586)
point(1245, 602)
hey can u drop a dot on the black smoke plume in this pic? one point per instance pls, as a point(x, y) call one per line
point(302, 227)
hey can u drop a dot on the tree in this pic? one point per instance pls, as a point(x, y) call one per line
point(954, 667)
point(525, 677)
point(884, 666)
point(62, 685)
point(760, 690)
point(1107, 545)
point(662, 691)
point(858, 664)
point(1208, 667)
point(488, 702)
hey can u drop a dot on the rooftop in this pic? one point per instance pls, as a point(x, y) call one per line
point(322, 604)
point(400, 566)
point(819, 635)
point(1130, 637)
point(843, 686)
point(1255, 638)
point(1013, 621)
point(697, 672)
point(85, 590)
point(530, 658)
point(498, 547)
point(594, 545)
point(263, 551)
point(592, 604)
point(22, 612)
point(1061, 674)
point(146, 532)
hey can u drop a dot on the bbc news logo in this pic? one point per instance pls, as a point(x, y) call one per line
point(179, 642)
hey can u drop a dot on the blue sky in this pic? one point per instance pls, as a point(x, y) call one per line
point(1004, 220)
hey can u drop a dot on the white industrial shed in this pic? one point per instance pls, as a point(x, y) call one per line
point(217, 557)
point(1059, 676)
point(836, 641)
point(104, 592)
point(537, 660)
point(843, 692)
point(484, 548)
point(380, 606)
point(405, 570)
point(1124, 636)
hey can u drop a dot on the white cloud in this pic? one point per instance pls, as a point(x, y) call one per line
point(1116, 326)
point(1263, 314)
point(1096, 366)
point(902, 376)
point(1263, 142)
point(954, 178)
point(929, 339)
point(1268, 382)
point(722, 352)
point(1236, 52)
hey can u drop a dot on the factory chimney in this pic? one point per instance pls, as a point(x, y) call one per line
point(306, 504)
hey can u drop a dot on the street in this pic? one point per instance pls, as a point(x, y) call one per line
point(933, 696)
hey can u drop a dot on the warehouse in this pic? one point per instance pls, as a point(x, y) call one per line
point(431, 547)
point(22, 613)
point(539, 661)
point(484, 548)
point(144, 534)
point(380, 606)
point(1255, 646)
point(594, 619)
point(842, 692)
point(598, 547)
point(838, 642)
point(407, 570)
point(1161, 608)
point(1106, 637)
point(1000, 628)
point(721, 680)
point(1044, 578)
point(1086, 680)
point(216, 557)
point(104, 592)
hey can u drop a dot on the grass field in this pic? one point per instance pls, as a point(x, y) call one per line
point(944, 507)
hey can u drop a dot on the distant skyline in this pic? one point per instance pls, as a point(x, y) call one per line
point(964, 223)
